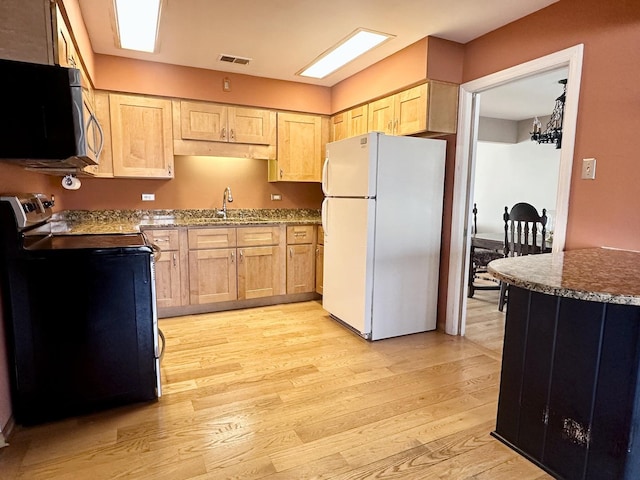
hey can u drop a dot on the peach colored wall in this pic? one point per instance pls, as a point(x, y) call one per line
point(199, 184)
point(445, 60)
point(17, 179)
point(603, 211)
point(430, 58)
point(137, 76)
point(406, 67)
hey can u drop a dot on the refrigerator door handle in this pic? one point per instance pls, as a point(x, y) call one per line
point(325, 207)
point(325, 176)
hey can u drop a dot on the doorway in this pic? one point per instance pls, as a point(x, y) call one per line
point(468, 118)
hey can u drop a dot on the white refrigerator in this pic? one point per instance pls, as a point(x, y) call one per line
point(382, 220)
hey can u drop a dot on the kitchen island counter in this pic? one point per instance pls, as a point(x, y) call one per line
point(595, 274)
point(570, 385)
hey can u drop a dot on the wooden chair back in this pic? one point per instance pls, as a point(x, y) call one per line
point(524, 230)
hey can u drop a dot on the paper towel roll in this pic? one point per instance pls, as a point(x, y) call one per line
point(71, 183)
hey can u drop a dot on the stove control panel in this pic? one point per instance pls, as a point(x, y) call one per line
point(29, 208)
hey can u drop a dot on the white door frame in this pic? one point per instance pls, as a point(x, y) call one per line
point(465, 167)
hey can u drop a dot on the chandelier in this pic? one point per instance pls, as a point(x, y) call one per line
point(553, 131)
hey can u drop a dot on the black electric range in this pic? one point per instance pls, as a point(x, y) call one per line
point(79, 312)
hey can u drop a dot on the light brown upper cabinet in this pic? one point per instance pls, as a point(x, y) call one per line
point(350, 123)
point(301, 144)
point(428, 108)
point(202, 128)
point(141, 136)
point(222, 123)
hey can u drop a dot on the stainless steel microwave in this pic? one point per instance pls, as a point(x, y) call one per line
point(46, 119)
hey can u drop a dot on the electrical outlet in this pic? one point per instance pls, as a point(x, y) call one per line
point(588, 168)
point(276, 196)
point(148, 197)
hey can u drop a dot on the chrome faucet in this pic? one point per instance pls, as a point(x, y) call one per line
point(226, 196)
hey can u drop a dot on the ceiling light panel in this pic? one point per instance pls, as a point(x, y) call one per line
point(356, 44)
point(138, 24)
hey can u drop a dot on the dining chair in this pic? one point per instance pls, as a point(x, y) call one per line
point(524, 234)
point(480, 258)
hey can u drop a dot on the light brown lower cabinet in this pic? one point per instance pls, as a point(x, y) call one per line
point(300, 259)
point(260, 272)
point(212, 265)
point(170, 267)
point(201, 267)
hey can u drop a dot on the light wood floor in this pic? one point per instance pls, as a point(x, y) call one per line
point(285, 392)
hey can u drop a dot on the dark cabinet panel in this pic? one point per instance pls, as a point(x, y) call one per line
point(536, 373)
point(569, 386)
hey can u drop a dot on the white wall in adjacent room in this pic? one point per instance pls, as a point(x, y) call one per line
point(506, 174)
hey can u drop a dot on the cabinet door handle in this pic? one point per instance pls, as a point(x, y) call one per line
point(281, 173)
point(233, 257)
point(395, 126)
point(390, 127)
point(223, 133)
point(291, 252)
point(241, 256)
point(232, 135)
point(175, 260)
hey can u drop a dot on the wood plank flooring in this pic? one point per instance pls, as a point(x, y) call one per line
point(285, 392)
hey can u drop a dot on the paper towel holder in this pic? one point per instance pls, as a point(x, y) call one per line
point(71, 182)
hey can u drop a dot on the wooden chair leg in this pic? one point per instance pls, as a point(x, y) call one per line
point(503, 296)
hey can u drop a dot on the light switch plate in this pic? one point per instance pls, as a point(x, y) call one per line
point(588, 168)
point(276, 196)
point(148, 197)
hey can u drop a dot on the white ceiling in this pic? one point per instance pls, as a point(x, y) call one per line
point(283, 36)
point(523, 99)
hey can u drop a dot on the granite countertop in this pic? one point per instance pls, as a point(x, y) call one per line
point(595, 274)
point(132, 221)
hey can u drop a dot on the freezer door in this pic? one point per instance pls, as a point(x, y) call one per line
point(349, 225)
point(350, 169)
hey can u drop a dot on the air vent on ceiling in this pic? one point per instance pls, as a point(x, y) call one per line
point(234, 59)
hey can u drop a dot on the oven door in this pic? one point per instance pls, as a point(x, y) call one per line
point(84, 328)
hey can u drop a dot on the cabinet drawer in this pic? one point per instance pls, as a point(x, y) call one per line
point(200, 238)
point(165, 239)
point(257, 236)
point(300, 234)
point(320, 235)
